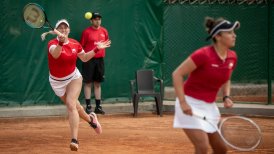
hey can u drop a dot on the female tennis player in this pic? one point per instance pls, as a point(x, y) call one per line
point(208, 68)
point(66, 80)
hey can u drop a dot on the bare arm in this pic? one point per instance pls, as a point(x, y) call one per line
point(228, 103)
point(178, 82)
point(87, 56)
point(100, 45)
point(226, 88)
point(56, 51)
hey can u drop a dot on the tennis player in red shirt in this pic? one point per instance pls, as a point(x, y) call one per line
point(208, 68)
point(94, 69)
point(66, 80)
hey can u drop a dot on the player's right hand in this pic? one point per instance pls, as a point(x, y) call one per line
point(62, 38)
point(228, 103)
point(60, 35)
point(186, 108)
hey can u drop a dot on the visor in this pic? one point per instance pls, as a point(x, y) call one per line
point(224, 26)
point(60, 22)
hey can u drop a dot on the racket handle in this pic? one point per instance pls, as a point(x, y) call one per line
point(199, 116)
point(58, 33)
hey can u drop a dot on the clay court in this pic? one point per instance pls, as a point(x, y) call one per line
point(122, 133)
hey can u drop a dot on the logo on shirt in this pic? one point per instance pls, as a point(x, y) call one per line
point(214, 65)
point(73, 50)
point(230, 66)
point(103, 35)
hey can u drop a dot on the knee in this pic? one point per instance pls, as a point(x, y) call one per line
point(87, 84)
point(71, 105)
point(97, 85)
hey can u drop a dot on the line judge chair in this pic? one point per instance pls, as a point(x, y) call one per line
point(143, 85)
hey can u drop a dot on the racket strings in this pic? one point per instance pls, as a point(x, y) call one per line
point(241, 133)
point(34, 16)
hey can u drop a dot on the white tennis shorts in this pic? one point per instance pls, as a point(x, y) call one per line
point(59, 85)
point(210, 110)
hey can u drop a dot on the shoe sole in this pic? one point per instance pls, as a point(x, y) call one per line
point(98, 130)
point(73, 147)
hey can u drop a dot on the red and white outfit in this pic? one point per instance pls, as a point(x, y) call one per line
point(63, 69)
point(202, 86)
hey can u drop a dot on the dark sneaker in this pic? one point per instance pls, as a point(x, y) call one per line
point(88, 109)
point(95, 123)
point(74, 145)
point(99, 110)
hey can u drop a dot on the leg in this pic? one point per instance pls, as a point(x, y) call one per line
point(82, 112)
point(97, 93)
point(72, 93)
point(217, 143)
point(99, 71)
point(97, 90)
point(87, 92)
point(74, 142)
point(199, 139)
point(90, 118)
point(87, 73)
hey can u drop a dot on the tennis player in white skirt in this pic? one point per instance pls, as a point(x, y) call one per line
point(209, 69)
point(66, 80)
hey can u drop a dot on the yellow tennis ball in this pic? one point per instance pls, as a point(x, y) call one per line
point(88, 15)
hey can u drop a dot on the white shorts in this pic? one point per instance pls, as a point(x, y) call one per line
point(210, 110)
point(59, 85)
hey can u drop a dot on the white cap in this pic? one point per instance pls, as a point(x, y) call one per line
point(61, 21)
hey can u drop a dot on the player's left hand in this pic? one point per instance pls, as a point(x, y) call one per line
point(228, 103)
point(103, 45)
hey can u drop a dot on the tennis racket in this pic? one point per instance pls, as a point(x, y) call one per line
point(238, 132)
point(35, 17)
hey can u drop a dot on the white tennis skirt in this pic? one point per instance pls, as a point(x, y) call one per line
point(199, 107)
point(59, 85)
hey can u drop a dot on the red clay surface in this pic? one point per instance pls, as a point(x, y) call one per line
point(147, 133)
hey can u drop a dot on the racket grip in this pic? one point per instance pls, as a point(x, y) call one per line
point(58, 33)
point(199, 116)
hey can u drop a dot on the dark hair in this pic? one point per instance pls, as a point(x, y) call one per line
point(210, 23)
